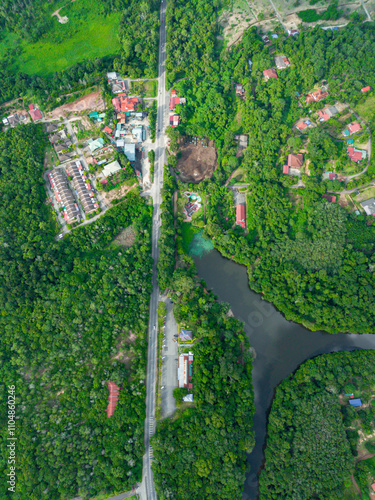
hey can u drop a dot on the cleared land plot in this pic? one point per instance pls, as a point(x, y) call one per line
point(86, 36)
point(365, 195)
point(367, 109)
point(93, 101)
point(126, 238)
point(196, 162)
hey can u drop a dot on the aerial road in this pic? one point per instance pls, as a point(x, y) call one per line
point(147, 490)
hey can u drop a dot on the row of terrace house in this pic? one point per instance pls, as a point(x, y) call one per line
point(63, 194)
point(83, 187)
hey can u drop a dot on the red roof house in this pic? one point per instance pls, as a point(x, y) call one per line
point(330, 198)
point(112, 398)
point(323, 116)
point(295, 161)
point(31, 106)
point(107, 129)
point(173, 102)
point(316, 96)
point(173, 93)
point(366, 89)
point(174, 120)
point(128, 103)
point(285, 169)
point(301, 125)
point(373, 486)
point(270, 73)
point(35, 113)
point(240, 215)
point(354, 127)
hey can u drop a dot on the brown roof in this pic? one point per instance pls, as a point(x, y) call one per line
point(270, 73)
point(112, 398)
point(295, 161)
point(318, 95)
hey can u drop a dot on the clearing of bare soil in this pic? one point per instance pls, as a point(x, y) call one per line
point(126, 238)
point(197, 162)
point(93, 102)
point(116, 193)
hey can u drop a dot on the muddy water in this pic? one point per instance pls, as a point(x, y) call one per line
point(280, 345)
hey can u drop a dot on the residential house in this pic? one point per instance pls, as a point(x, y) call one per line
point(124, 104)
point(129, 150)
point(5, 121)
point(63, 194)
point(108, 170)
point(274, 36)
point(240, 215)
point(50, 127)
point(329, 197)
point(294, 161)
point(316, 96)
point(112, 398)
point(355, 154)
point(95, 144)
point(83, 187)
point(302, 125)
point(243, 140)
point(327, 113)
point(250, 63)
point(107, 130)
point(65, 156)
point(354, 127)
point(329, 176)
point(239, 89)
point(111, 76)
point(189, 399)
point(118, 86)
point(34, 113)
point(185, 335)
point(175, 99)
point(293, 32)
point(281, 62)
point(265, 39)
point(355, 402)
point(369, 206)
point(174, 120)
point(270, 73)
point(366, 89)
point(185, 370)
point(14, 120)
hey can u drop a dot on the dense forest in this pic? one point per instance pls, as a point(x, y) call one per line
point(313, 432)
point(313, 260)
point(74, 316)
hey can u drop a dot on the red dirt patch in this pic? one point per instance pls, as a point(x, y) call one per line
point(93, 101)
point(197, 161)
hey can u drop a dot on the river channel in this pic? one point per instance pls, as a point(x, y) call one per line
point(280, 345)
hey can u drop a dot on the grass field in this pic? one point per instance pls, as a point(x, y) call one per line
point(86, 36)
point(367, 109)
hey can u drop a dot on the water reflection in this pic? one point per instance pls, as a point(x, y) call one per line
point(280, 345)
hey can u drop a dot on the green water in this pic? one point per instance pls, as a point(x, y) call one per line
point(200, 245)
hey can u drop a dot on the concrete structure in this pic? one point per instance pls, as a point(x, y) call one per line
point(129, 150)
point(185, 370)
point(108, 170)
point(369, 206)
point(185, 335)
point(240, 215)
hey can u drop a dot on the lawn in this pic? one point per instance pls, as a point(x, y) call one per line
point(365, 195)
point(86, 36)
point(367, 109)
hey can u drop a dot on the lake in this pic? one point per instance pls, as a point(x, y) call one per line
point(280, 345)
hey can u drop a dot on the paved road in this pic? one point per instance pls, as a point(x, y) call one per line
point(169, 370)
point(147, 490)
point(365, 9)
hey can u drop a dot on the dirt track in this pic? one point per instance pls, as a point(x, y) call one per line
point(196, 163)
point(92, 102)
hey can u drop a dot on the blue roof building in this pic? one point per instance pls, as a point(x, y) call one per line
point(355, 402)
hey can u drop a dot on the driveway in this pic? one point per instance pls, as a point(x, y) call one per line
point(170, 356)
